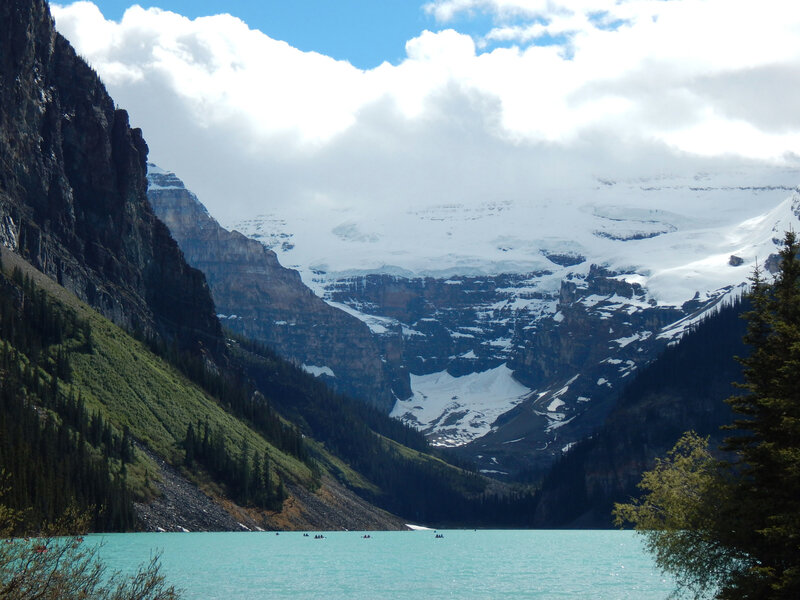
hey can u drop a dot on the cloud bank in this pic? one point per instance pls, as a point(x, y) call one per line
point(556, 92)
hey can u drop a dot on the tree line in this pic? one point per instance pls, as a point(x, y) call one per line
point(248, 476)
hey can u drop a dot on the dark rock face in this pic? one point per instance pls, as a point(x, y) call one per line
point(73, 188)
point(575, 350)
point(264, 301)
point(578, 360)
point(438, 324)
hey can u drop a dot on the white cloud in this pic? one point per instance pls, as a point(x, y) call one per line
point(447, 10)
point(249, 121)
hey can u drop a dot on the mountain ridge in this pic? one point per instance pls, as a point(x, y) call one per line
point(258, 298)
point(73, 189)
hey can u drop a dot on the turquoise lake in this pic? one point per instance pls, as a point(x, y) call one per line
point(398, 565)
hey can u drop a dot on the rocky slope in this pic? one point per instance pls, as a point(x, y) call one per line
point(182, 506)
point(256, 297)
point(73, 188)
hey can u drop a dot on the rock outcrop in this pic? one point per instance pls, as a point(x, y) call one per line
point(256, 297)
point(73, 189)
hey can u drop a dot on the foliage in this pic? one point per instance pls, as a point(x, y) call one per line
point(61, 565)
point(733, 527)
point(250, 480)
point(236, 394)
point(678, 516)
point(766, 438)
point(56, 452)
point(158, 403)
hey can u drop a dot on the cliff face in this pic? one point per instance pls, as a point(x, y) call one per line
point(264, 301)
point(73, 188)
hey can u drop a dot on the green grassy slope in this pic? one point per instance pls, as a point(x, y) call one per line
point(133, 388)
point(120, 378)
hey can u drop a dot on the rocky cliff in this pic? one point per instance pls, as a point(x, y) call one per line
point(258, 298)
point(73, 189)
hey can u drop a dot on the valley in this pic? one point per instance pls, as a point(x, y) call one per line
point(459, 286)
point(356, 361)
point(512, 348)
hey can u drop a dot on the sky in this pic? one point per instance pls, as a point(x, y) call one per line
point(311, 104)
point(363, 32)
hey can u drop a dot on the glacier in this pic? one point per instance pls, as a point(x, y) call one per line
point(473, 293)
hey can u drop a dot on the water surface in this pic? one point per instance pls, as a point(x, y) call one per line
point(414, 565)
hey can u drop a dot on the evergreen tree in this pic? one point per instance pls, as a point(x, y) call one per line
point(766, 438)
point(732, 528)
point(189, 445)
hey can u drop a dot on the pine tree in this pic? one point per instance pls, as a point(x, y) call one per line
point(732, 528)
point(766, 439)
point(189, 445)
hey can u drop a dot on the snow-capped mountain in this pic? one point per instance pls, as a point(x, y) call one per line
point(674, 232)
point(518, 319)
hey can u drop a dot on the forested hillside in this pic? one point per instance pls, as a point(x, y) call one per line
point(54, 452)
point(685, 388)
point(77, 391)
point(93, 389)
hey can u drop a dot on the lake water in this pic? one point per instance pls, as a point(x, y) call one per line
point(413, 565)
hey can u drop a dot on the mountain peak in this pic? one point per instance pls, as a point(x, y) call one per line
point(255, 296)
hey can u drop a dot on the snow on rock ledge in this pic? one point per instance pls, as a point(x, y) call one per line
point(456, 410)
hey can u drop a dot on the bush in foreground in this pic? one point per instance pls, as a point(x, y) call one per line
point(58, 566)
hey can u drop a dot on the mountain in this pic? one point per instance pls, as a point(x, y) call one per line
point(90, 386)
point(73, 189)
point(520, 320)
point(259, 299)
point(119, 390)
point(683, 389)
